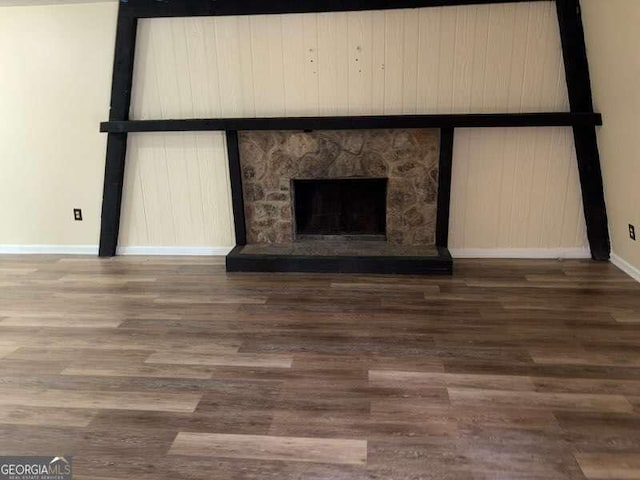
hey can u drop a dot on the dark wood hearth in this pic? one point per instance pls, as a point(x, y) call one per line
point(340, 257)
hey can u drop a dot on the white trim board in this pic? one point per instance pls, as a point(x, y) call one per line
point(175, 251)
point(36, 3)
point(93, 250)
point(626, 267)
point(521, 253)
point(49, 249)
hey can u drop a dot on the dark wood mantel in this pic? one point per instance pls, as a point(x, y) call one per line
point(486, 120)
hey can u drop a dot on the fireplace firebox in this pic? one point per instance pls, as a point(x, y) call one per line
point(345, 208)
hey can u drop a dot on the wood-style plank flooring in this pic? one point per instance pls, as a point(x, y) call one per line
point(172, 369)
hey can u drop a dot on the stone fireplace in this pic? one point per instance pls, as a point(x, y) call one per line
point(273, 163)
point(339, 200)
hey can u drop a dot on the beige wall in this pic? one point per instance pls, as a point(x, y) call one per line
point(55, 81)
point(613, 35)
point(511, 188)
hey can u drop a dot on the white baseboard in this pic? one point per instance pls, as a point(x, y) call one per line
point(175, 251)
point(626, 267)
point(49, 249)
point(515, 253)
point(93, 250)
point(521, 253)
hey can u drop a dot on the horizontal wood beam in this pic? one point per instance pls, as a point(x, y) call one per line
point(192, 8)
point(366, 122)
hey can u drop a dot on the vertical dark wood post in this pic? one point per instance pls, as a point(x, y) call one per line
point(444, 187)
point(237, 198)
point(581, 100)
point(117, 142)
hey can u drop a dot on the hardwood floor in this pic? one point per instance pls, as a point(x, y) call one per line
point(170, 368)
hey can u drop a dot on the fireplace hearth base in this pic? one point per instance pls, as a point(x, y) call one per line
point(348, 257)
point(348, 201)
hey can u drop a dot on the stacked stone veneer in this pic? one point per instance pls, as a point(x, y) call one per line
point(407, 157)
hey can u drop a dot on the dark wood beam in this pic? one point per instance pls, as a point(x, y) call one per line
point(362, 122)
point(237, 199)
point(192, 8)
point(117, 141)
point(580, 98)
point(444, 187)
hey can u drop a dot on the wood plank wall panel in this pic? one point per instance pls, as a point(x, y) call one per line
point(177, 191)
point(511, 188)
point(516, 188)
point(487, 58)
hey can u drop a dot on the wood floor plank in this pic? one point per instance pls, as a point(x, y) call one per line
point(9, 271)
point(232, 360)
point(60, 322)
point(631, 317)
point(83, 356)
point(610, 466)
point(569, 357)
point(164, 402)
point(635, 401)
point(7, 350)
point(212, 299)
point(146, 370)
point(29, 415)
point(263, 447)
point(396, 286)
point(587, 385)
point(489, 382)
point(94, 477)
point(105, 279)
point(117, 340)
point(559, 401)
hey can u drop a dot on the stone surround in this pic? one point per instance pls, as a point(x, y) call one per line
point(407, 157)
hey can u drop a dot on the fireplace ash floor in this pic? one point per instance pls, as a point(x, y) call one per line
point(342, 248)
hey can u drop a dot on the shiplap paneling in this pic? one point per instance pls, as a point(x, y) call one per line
point(516, 188)
point(512, 188)
point(487, 58)
point(177, 191)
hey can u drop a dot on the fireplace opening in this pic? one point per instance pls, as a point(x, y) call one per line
point(347, 208)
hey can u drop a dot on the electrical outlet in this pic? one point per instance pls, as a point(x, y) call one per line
point(77, 214)
point(632, 232)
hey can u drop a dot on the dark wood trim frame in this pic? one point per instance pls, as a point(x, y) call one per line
point(358, 122)
point(582, 118)
point(237, 198)
point(576, 66)
point(444, 187)
point(195, 8)
point(117, 142)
